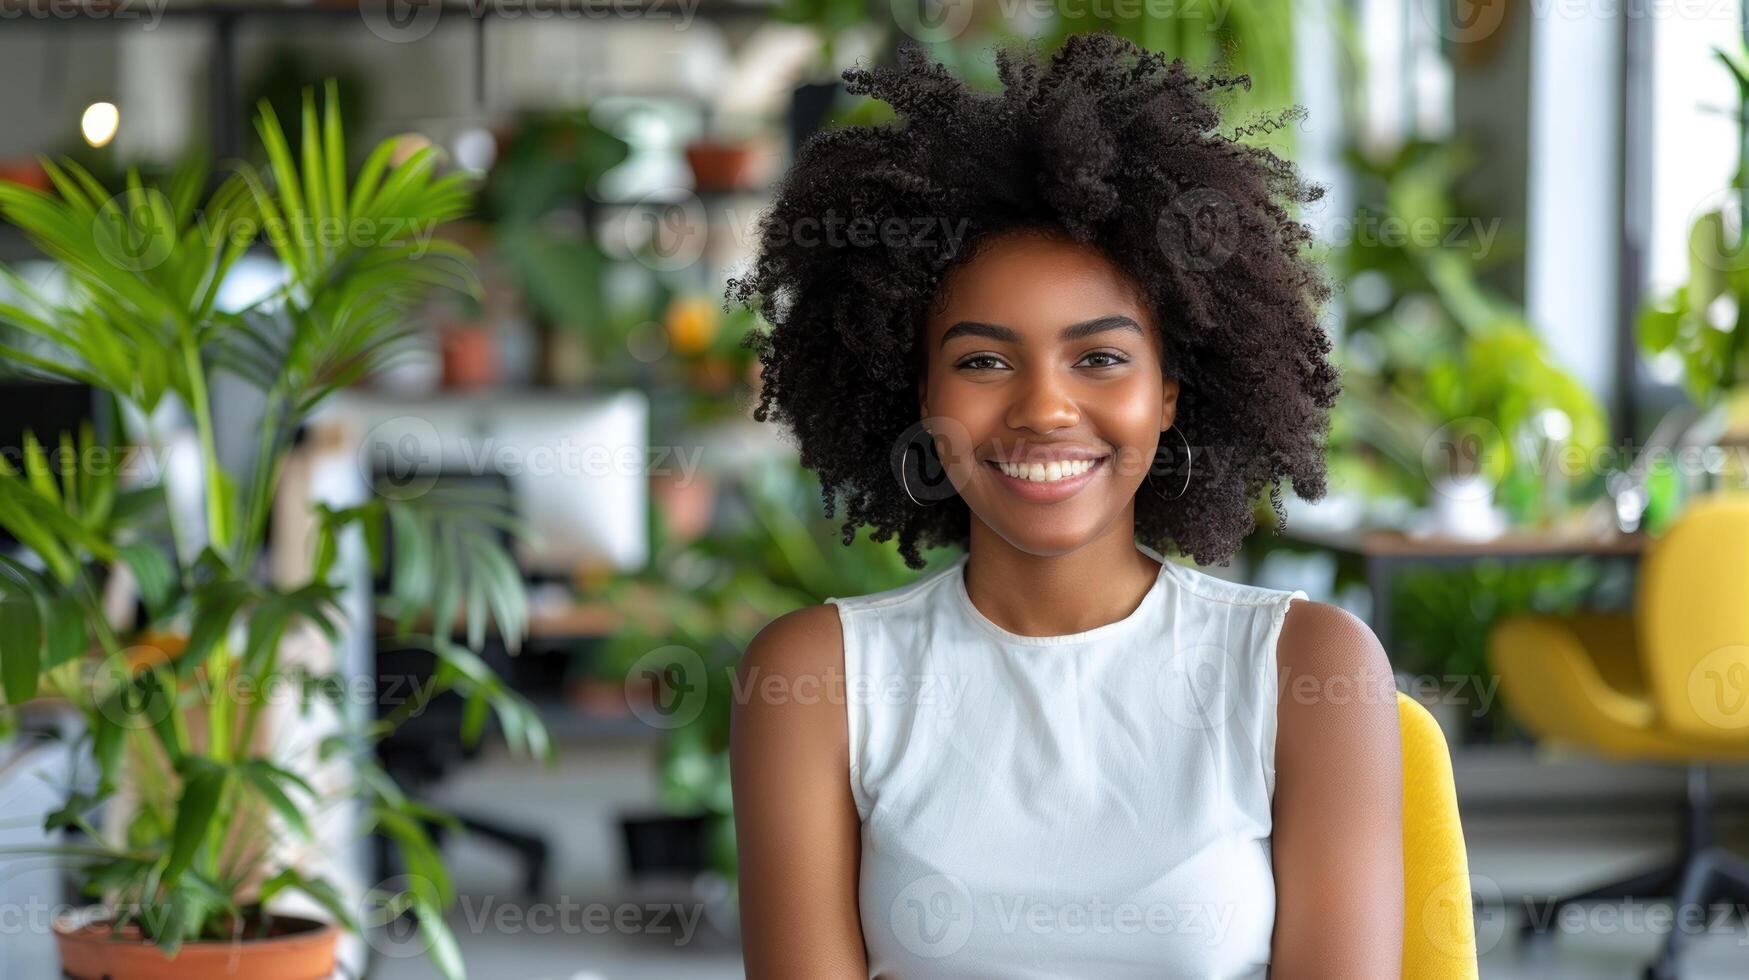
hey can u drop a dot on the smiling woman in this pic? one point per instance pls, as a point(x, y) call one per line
point(1122, 790)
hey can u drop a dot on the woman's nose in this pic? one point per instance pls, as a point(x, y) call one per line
point(1040, 405)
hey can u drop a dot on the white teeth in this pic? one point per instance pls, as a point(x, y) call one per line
point(1046, 472)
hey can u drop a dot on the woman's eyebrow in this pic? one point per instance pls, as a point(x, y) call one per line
point(1076, 331)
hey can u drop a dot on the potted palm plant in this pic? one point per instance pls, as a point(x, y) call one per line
point(173, 702)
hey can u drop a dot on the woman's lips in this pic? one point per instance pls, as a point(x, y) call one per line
point(1048, 491)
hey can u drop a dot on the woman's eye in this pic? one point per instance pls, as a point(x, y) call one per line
point(979, 362)
point(1109, 359)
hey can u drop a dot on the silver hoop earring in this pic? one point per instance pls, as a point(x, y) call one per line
point(1188, 463)
point(905, 482)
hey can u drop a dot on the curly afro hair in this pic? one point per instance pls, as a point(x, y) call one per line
point(1111, 145)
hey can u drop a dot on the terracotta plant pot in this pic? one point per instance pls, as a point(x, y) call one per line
point(470, 356)
point(720, 166)
point(301, 949)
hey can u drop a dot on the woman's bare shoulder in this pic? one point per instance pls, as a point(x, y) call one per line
point(791, 677)
point(809, 640)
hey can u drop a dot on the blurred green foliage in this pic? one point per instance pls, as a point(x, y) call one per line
point(1435, 362)
point(1701, 321)
point(713, 595)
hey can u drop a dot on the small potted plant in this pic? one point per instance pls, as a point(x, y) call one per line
point(176, 720)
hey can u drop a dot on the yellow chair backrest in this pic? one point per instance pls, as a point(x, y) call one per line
point(1439, 930)
point(1693, 619)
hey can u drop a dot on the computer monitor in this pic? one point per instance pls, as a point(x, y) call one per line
point(578, 467)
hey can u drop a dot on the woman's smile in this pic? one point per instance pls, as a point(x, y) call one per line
point(1047, 482)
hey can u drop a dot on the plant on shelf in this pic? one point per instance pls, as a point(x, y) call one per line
point(175, 708)
point(539, 203)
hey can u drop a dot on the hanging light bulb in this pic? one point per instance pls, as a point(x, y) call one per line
point(99, 123)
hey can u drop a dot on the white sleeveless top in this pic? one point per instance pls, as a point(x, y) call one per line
point(1095, 804)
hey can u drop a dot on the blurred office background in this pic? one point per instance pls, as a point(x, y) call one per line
point(1533, 211)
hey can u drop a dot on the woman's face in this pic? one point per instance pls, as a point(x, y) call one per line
point(1043, 389)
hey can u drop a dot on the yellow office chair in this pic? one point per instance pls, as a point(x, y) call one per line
point(1439, 933)
point(1669, 683)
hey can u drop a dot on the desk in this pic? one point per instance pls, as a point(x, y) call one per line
point(1383, 551)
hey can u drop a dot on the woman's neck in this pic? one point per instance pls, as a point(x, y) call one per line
point(1101, 582)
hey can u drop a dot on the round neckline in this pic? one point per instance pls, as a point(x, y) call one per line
point(963, 598)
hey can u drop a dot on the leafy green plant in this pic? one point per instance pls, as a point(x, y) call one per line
point(1701, 322)
point(171, 705)
point(553, 164)
point(1427, 344)
point(1441, 617)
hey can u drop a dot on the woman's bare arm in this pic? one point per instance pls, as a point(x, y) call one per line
point(796, 825)
point(1338, 839)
